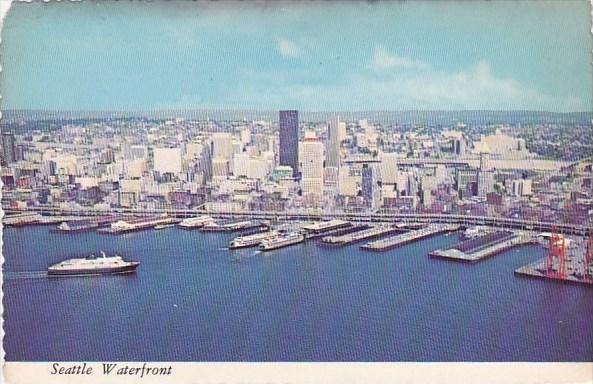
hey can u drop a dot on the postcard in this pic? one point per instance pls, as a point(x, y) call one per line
point(297, 192)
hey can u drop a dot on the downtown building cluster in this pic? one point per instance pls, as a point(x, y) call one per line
point(290, 165)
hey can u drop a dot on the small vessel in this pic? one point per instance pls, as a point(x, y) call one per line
point(281, 241)
point(473, 232)
point(163, 226)
point(76, 226)
point(195, 222)
point(92, 265)
point(251, 240)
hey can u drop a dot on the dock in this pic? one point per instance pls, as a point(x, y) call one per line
point(483, 247)
point(538, 270)
point(136, 224)
point(340, 231)
point(21, 219)
point(325, 228)
point(355, 237)
point(408, 237)
point(233, 226)
point(24, 219)
point(84, 225)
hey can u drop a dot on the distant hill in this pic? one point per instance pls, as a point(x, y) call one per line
point(383, 117)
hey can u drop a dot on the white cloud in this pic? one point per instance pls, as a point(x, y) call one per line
point(472, 89)
point(289, 49)
point(384, 60)
point(391, 87)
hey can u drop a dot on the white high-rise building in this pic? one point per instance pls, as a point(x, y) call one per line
point(257, 169)
point(348, 181)
point(222, 145)
point(245, 137)
point(168, 160)
point(237, 147)
point(220, 168)
point(342, 131)
point(134, 168)
point(241, 164)
point(312, 167)
point(333, 143)
point(389, 170)
point(193, 150)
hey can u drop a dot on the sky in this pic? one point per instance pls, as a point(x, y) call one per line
point(312, 56)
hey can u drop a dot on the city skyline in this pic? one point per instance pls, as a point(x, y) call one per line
point(259, 181)
point(397, 63)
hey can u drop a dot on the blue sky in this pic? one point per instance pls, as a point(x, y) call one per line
point(497, 55)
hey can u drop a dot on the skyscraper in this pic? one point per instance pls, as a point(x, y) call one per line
point(370, 186)
point(289, 140)
point(168, 160)
point(222, 145)
point(8, 148)
point(333, 143)
point(312, 178)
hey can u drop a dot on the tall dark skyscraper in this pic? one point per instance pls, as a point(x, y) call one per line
point(8, 148)
point(289, 140)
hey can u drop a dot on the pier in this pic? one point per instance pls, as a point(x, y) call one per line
point(339, 232)
point(484, 246)
point(539, 270)
point(355, 237)
point(84, 224)
point(137, 224)
point(408, 237)
point(325, 228)
point(23, 219)
point(569, 260)
point(233, 226)
point(381, 216)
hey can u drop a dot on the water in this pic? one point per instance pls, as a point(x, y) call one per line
point(189, 301)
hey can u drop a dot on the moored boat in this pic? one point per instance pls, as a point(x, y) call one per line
point(251, 240)
point(281, 241)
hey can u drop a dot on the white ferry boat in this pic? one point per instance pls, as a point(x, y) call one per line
point(281, 241)
point(196, 222)
point(251, 240)
point(93, 266)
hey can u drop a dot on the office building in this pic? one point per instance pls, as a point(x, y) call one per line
point(222, 145)
point(333, 143)
point(8, 148)
point(371, 189)
point(289, 140)
point(312, 168)
point(167, 160)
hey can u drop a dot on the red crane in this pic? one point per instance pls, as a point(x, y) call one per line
point(557, 252)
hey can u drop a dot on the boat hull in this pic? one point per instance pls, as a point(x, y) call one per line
point(249, 245)
point(280, 245)
point(131, 268)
